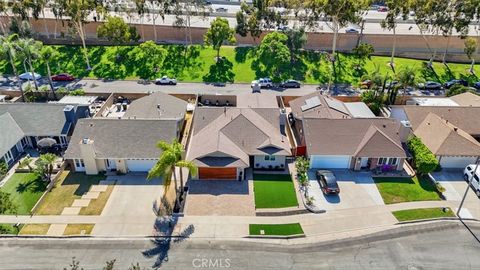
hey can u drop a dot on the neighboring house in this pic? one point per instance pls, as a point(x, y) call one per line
point(225, 141)
point(450, 132)
point(23, 124)
point(464, 99)
point(355, 143)
point(123, 145)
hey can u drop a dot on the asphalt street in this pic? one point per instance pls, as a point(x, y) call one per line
point(431, 247)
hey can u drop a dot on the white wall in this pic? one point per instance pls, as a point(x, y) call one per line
point(259, 162)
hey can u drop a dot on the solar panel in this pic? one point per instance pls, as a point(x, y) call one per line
point(336, 105)
point(311, 103)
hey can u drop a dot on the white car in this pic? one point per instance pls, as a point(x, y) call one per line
point(475, 180)
point(221, 10)
point(263, 82)
point(166, 80)
point(30, 76)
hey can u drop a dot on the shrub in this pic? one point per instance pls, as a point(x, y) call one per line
point(3, 169)
point(424, 160)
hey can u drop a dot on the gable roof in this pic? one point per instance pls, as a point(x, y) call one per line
point(443, 138)
point(157, 105)
point(122, 138)
point(467, 99)
point(316, 105)
point(11, 133)
point(257, 100)
point(377, 137)
point(236, 133)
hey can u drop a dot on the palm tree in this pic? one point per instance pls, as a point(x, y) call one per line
point(29, 50)
point(48, 54)
point(407, 77)
point(170, 158)
point(45, 165)
point(7, 47)
point(26, 163)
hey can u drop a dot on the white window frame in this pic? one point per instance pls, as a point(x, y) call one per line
point(79, 163)
point(388, 161)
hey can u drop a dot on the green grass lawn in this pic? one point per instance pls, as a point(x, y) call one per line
point(311, 67)
point(276, 229)
point(8, 229)
point(274, 191)
point(397, 190)
point(422, 213)
point(25, 189)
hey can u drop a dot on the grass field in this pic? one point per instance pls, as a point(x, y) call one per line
point(76, 229)
point(397, 190)
point(96, 205)
point(8, 229)
point(422, 213)
point(310, 67)
point(276, 229)
point(25, 189)
point(34, 229)
point(274, 191)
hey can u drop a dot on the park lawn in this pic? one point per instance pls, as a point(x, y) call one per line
point(422, 213)
point(404, 189)
point(276, 229)
point(76, 229)
point(8, 229)
point(25, 189)
point(69, 187)
point(96, 205)
point(274, 191)
point(34, 229)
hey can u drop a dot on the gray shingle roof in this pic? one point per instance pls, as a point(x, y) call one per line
point(316, 105)
point(122, 138)
point(157, 105)
point(11, 133)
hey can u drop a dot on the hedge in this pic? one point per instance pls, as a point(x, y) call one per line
point(424, 160)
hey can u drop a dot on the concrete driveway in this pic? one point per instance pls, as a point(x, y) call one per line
point(129, 208)
point(357, 190)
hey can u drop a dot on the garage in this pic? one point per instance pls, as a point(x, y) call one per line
point(213, 173)
point(329, 162)
point(456, 162)
point(140, 165)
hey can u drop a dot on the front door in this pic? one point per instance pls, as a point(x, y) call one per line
point(364, 162)
point(111, 164)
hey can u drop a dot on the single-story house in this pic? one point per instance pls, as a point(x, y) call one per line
point(22, 125)
point(225, 141)
point(464, 99)
point(123, 145)
point(355, 143)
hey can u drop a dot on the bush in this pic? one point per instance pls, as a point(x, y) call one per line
point(3, 169)
point(457, 89)
point(424, 160)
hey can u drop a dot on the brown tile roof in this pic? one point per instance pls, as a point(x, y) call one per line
point(376, 137)
point(467, 99)
point(328, 107)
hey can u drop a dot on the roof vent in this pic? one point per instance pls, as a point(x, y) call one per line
point(384, 126)
point(158, 106)
point(85, 140)
point(455, 129)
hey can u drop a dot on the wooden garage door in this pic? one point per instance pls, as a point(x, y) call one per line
point(217, 173)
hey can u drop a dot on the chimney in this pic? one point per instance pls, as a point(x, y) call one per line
point(69, 112)
point(87, 152)
point(404, 130)
point(455, 129)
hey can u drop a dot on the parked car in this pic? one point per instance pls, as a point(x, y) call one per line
point(221, 9)
point(476, 85)
point(30, 76)
point(430, 85)
point(453, 82)
point(282, 28)
point(366, 84)
point(264, 82)
point(391, 84)
point(475, 180)
point(351, 29)
point(63, 77)
point(328, 182)
point(382, 9)
point(290, 84)
point(255, 87)
point(166, 80)
point(208, 3)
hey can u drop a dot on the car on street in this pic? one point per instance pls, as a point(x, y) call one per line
point(451, 83)
point(476, 85)
point(352, 30)
point(327, 181)
point(282, 27)
point(29, 76)
point(470, 174)
point(255, 87)
point(63, 77)
point(221, 9)
point(165, 80)
point(430, 85)
point(263, 82)
point(382, 9)
point(290, 84)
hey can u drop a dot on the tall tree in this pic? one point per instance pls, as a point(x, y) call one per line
point(396, 8)
point(8, 52)
point(296, 40)
point(407, 77)
point(150, 57)
point(44, 166)
point(117, 31)
point(29, 51)
point(274, 55)
point(470, 49)
point(218, 34)
point(48, 55)
point(156, 9)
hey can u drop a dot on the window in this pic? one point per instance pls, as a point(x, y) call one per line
point(267, 157)
point(271, 158)
point(387, 161)
point(382, 161)
point(79, 163)
point(392, 161)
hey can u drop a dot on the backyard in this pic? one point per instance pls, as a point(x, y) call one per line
point(25, 189)
point(423, 213)
point(405, 189)
point(274, 191)
point(276, 229)
point(311, 67)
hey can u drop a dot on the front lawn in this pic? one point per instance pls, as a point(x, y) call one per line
point(276, 229)
point(96, 205)
point(422, 213)
point(34, 229)
point(397, 189)
point(8, 229)
point(76, 229)
point(69, 187)
point(25, 189)
point(274, 191)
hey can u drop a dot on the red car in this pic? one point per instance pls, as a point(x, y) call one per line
point(63, 77)
point(382, 9)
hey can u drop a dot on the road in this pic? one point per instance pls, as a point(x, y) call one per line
point(431, 247)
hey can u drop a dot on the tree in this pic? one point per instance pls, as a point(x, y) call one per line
point(8, 51)
point(296, 40)
point(7, 206)
point(26, 163)
point(150, 57)
point(424, 159)
point(302, 165)
point(156, 8)
point(117, 31)
point(457, 89)
point(396, 8)
point(470, 49)
point(362, 51)
point(44, 166)
point(407, 78)
point(48, 55)
point(274, 55)
point(170, 158)
point(3, 169)
point(29, 50)
point(218, 34)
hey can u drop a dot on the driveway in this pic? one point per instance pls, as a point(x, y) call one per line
point(129, 208)
point(220, 198)
point(357, 189)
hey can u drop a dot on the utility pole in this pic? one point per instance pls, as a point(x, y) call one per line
point(468, 187)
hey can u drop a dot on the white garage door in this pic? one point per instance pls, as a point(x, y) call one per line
point(140, 165)
point(330, 162)
point(456, 162)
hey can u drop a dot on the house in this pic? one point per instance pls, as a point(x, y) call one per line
point(464, 99)
point(225, 141)
point(22, 125)
point(450, 132)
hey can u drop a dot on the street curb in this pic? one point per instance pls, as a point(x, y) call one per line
point(435, 219)
point(293, 236)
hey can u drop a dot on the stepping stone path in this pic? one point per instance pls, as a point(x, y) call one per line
point(56, 229)
point(71, 211)
point(92, 194)
point(81, 203)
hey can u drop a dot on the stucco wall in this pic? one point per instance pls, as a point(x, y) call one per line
point(259, 162)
